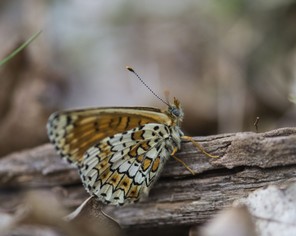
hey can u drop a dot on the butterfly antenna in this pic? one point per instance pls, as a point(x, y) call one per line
point(132, 70)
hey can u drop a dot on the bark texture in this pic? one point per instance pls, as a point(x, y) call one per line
point(247, 161)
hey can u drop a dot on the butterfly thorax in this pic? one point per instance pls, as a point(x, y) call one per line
point(174, 139)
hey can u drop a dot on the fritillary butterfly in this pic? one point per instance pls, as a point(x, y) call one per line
point(119, 151)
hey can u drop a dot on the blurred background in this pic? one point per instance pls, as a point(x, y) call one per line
point(228, 62)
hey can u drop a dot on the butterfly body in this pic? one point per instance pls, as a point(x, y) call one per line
point(119, 152)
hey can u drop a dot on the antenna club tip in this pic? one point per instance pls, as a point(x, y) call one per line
point(130, 69)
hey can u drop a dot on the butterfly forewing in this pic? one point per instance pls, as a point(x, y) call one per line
point(73, 132)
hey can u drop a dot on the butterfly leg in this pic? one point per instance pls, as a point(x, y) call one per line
point(182, 162)
point(196, 144)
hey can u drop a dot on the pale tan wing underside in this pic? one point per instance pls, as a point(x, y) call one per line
point(73, 132)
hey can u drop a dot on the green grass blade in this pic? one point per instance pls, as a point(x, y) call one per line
point(20, 48)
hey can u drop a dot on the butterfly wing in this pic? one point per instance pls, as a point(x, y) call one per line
point(74, 132)
point(120, 168)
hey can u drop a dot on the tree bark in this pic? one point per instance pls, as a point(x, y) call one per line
point(247, 161)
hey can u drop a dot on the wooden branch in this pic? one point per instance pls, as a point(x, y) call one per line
point(247, 161)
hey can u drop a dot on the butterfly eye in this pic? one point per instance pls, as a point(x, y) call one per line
point(175, 111)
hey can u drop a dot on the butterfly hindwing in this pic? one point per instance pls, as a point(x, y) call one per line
point(120, 168)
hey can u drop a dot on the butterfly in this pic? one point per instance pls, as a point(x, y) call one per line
point(119, 151)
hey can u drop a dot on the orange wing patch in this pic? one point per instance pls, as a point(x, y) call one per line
point(125, 184)
point(156, 164)
point(146, 164)
point(134, 192)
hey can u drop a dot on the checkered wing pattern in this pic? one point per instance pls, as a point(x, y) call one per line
point(121, 168)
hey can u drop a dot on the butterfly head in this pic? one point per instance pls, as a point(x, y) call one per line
point(175, 111)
